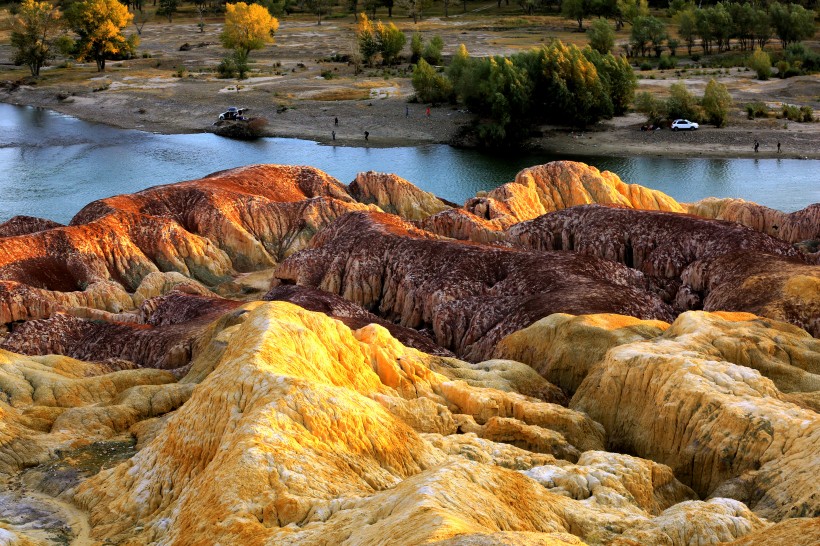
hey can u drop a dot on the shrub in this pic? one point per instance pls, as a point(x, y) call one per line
point(667, 62)
point(782, 68)
point(646, 103)
point(791, 112)
point(681, 103)
point(601, 36)
point(390, 41)
point(430, 86)
point(432, 52)
point(716, 103)
point(757, 110)
point(416, 47)
point(646, 65)
point(761, 63)
point(233, 65)
point(806, 114)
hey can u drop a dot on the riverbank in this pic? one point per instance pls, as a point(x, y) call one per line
point(297, 86)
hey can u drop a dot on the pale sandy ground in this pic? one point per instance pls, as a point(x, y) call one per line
point(145, 94)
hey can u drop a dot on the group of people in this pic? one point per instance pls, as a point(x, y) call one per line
point(367, 133)
point(757, 145)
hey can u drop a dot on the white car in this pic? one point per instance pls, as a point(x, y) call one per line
point(684, 125)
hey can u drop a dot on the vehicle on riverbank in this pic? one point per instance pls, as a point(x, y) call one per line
point(684, 125)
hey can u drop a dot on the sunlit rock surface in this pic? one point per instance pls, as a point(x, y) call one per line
point(469, 295)
point(396, 195)
point(793, 227)
point(336, 412)
point(698, 399)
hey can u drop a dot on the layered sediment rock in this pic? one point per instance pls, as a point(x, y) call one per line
point(793, 227)
point(470, 296)
point(395, 195)
point(161, 336)
point(696, 263)
point(357, 459)
point(23, 225)
point(690, 399)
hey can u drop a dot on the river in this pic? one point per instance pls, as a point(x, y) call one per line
point(51, 165)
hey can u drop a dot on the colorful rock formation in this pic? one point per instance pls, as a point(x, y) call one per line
point(468, 295)
point(793, 227)
point(592, 406)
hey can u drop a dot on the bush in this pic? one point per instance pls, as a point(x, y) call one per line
point(681, 104)
point(806, 114)
point(791, 113)
point(430, 86)
point(390, 41)
point(716, 103)
point(667, 62)
point(646, 103)
point(646, 65)
point(783, 68)
point(234, 65)
point(757, 110)
point(416, 47)
point(432, 52)
point(761, 63)
point(601, 36)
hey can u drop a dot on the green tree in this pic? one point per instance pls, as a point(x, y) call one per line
point(416, 47)
point(415, 8)
point(99, 25)
point(167, 8)
point(687, 28)
point(617, 77)
point(601, 36)
point(319, 8)
point(647, 103)
point(575, 10)
point(33, 30)
point(716, 103)
point(762, 27)
point(681, 103)
point(247, 27)
point(761, 63)
point(433, 49)
point(430, 86)
point(626, 11)
point(648, 30)
point(792, 23)
point(390, 41)
point(366, 38)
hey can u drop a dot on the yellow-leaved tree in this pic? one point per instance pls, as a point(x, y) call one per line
point(33, 31)
point(247, 27)
point(99, 25)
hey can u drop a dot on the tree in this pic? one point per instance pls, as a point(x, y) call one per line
point(433, 49)
point(416, 47)
point(792, 23)
point(761, 63)
point(655, 109)
point(99, 25)
point(601, 36)
point(33, 32)
point(415, 8)
point(626, 11)
point(576, 10)
point(646, 30)
point(390, 41)
point(716, 103)
point(167, 8)
point(366, 38)
point(319, 8)
point(430, 86)
point(681, 103)
point(247, 27)
point(687, 28)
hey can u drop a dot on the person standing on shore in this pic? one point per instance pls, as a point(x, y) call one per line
point(333, 134)
point(778, 146)
point(366, 134)
point(757, 145)
point(428, 111)
point(406, 110)
point(336, 122)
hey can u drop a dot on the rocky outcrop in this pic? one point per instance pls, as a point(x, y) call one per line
point(353, 315)
point(161, 336)
point(395, 195)
point(690, 399)
point(694, 263)
point(23, 225)
point(468, 295)
point(226, 466)
point(793, 227)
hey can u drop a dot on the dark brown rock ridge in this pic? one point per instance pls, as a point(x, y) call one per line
point(353, 315)
point(163, 338)
point(22, 225)
point(469, 295)
point(696, 263)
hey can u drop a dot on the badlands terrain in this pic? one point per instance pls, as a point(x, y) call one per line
point(270, 356)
